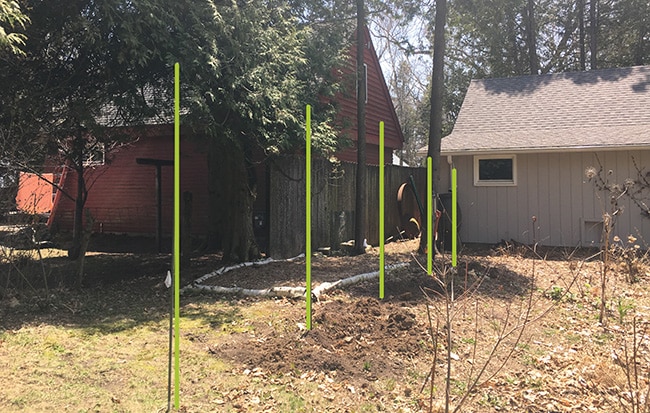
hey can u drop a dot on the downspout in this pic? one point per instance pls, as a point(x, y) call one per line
point(450, 161)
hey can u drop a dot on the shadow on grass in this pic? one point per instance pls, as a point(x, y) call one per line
point(412, 284)
point(128, 318)
point(120, 292)
point(123, 291)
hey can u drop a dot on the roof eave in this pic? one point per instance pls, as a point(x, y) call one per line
point(590, 148)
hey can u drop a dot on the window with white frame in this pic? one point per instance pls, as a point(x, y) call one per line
point(8, 178)
point(495, 170)
point(95, 155)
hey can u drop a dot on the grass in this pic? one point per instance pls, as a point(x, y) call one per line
point(108, 354)
point(117, 363)
point(87, 368)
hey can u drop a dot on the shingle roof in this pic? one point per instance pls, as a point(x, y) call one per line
point(603, 109)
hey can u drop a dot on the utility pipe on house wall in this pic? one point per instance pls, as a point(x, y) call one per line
point(450, 161)
point(454, 210)
point(454, 217)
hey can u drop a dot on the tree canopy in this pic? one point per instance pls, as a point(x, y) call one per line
point(501, 38)
point(12, 19)
point(248, 69)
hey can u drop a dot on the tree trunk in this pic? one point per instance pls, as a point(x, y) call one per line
point(80, 201)
point(361, 218)
point(593, 33)
point(213, 241)
point(516, 53)
point(581, 34)
point(531, 38)
point(437, 89)
point(638, 50)
point(83, 247)
point(435, 115)
point(231, 196)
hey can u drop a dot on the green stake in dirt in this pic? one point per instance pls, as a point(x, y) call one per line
point(381, 210)
point(429, 218)
point(308, 215)
point(454, 218)
point(177, 232)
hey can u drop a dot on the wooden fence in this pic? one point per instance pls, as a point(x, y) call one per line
point(333, 199)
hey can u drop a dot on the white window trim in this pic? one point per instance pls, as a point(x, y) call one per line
point(91, 158)
point(478, 182)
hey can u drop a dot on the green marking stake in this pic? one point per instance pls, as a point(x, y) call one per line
point(429, 217)
point(454, 218)
point(382, 166)
point(177, 232)
point(308, 215)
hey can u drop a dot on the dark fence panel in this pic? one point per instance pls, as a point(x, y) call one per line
point(333, 194)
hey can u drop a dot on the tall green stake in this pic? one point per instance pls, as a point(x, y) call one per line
point(430, 217)
point(177, 232)
point(454, 218)
point(308, 215)
point(382, 166)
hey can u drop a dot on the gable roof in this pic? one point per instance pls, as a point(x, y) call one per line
point(599, 109)
point(379, 106)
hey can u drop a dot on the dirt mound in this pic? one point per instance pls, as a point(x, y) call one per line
point(352, 340)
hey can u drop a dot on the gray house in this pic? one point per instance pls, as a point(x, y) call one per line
point(522, 145)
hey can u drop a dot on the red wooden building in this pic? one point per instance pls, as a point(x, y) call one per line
point(379, 107)
point(122, 194)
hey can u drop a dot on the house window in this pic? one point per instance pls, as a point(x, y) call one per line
point(95, 155)
point(495, 170)
point(8, 178)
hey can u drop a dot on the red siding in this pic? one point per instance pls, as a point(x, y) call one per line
point(34, 193)
point(122, 194)
point(379, 108)
point(372, 155)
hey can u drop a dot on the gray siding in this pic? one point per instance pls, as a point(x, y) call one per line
point(553, 188)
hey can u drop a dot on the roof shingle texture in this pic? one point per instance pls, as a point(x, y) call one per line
point(599, 109)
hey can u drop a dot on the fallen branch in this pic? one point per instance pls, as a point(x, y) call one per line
point(291, 292)
point(224, 270)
